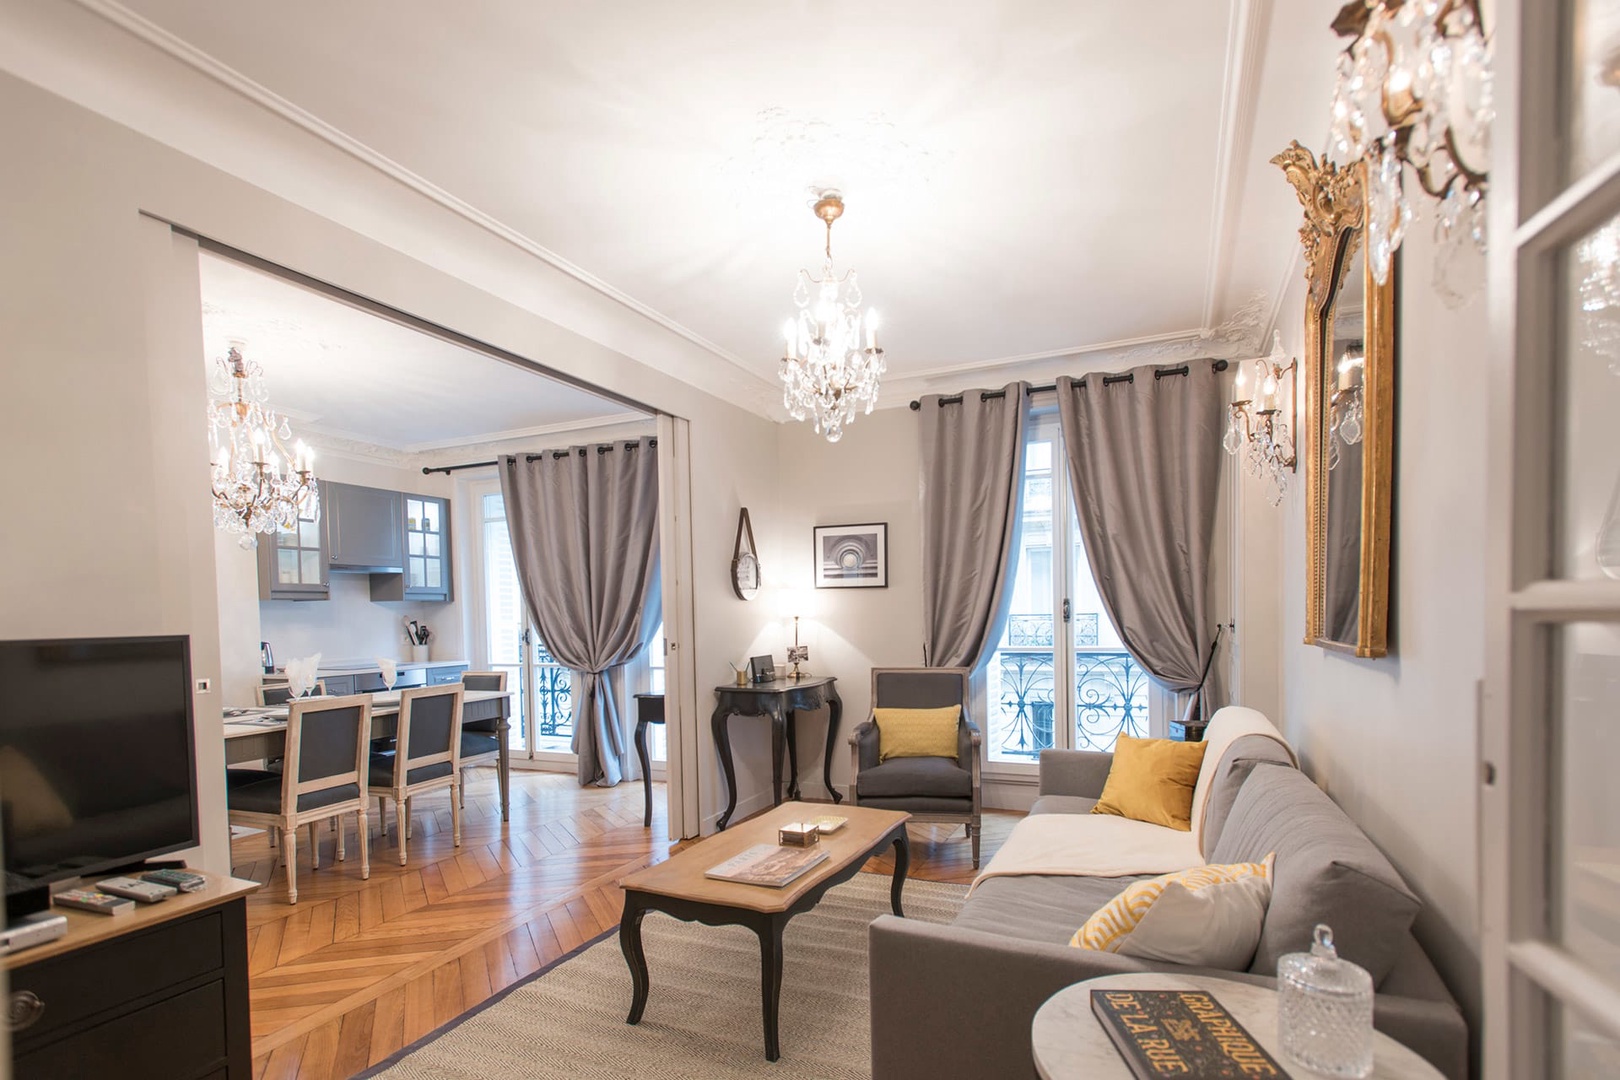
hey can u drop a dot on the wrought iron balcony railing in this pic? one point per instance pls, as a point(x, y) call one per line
point(554, 695)
point(1110, 699)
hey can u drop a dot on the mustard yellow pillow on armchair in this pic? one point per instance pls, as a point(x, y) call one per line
point(917, 732)
point(1152, 780)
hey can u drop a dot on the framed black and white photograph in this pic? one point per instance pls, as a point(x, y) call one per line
point(852, 556)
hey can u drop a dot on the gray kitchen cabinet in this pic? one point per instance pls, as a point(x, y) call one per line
point(363, 529)
point(450, 673)
point(293, 563)
point(425, 535)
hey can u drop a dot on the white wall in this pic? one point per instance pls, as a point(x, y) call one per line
point(102, 380)
point(872, 474)
point(1393, 740)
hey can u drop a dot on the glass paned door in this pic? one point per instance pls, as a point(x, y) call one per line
point(1550, 818)
point(1059, 655)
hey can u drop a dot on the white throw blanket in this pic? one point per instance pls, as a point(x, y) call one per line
point(1091, 845)
point(1103, 845)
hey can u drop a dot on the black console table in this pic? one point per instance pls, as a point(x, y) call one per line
point(779, 700)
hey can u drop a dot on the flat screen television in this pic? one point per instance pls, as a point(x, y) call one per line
point(96, 758)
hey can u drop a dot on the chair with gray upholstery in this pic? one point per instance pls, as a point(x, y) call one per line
point(426, 757)
point(328, 762)
point(942, 789)
point(480, 743)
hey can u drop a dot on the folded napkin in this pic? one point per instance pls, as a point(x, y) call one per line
point(390, 671)
point(301, 677)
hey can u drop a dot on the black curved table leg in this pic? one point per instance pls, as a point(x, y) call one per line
point(722, 742)
point(835, 714)
point(902, 863)
point(778, 737)
point(770, 981)
point(646, 768)
point(793, 754)
point(634, 957)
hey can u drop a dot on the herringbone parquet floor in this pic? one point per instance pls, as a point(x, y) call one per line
point(358, 969)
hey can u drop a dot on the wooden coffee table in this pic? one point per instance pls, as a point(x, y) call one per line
point(677, 887)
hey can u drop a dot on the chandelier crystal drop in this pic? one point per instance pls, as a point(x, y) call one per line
point(1255, 425)
point(260, 483)
point(831, 363)
point(1414, 95)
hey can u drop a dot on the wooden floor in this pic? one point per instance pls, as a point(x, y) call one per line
point(358, 969)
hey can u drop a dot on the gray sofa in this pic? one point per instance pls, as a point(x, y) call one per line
point(958, 1000)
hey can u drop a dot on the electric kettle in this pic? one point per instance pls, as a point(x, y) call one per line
point(267, 658)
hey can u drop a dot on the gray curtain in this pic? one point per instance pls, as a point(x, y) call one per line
point(1145, 464)
point(972, 459)
point(584, 525)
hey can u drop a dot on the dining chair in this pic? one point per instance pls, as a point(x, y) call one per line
point(281, 693)
point(426, 757)
point(328, 766)
point(480, 742)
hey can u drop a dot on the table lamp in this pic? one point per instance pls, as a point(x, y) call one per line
point(793, 603)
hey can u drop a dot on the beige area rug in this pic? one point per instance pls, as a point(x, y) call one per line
point(703, 1015)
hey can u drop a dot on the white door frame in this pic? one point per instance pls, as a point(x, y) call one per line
point(680, 661)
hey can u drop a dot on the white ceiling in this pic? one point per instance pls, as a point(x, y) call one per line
point(351, 375)
point(1050, 178)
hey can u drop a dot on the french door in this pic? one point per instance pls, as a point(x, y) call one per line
point(1550, 829)
point(1060, 676)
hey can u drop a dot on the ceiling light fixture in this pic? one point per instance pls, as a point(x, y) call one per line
point(831, 363)
point(1414, 89)
point(260, 484)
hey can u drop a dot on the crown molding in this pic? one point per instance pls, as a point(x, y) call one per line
point(489, 438)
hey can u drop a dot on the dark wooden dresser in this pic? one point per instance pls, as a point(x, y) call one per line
point(159, 992)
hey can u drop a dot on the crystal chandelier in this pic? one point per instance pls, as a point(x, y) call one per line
point(1599, 258)
point(828, 371)
point(1414, 89)
point(259, 483)
point(1346, 409)
point(1255, 419)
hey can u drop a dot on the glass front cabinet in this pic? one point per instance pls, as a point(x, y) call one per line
point(427, 554)
point(293, 562)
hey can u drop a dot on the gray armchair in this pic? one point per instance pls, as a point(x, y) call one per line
point(928, 788)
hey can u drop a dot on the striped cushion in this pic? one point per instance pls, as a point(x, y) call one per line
point(1209, 916)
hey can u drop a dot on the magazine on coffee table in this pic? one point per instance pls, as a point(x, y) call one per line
point(768, 864)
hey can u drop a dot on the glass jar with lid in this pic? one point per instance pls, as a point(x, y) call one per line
point(1325, 1010)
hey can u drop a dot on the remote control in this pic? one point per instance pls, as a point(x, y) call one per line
point(90, 900)
point(144, 891)
point(184, 880)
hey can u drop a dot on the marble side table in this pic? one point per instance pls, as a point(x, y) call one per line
point(1070, 1043)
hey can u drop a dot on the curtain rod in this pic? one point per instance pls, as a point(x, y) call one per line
point(1108, 380)
point(601, 448)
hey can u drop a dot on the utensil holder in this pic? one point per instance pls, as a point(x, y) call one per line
point(419, 653)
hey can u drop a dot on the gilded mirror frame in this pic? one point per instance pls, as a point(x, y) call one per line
point(1335, 212)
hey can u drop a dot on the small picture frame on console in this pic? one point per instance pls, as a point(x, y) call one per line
point(852, 556)
point(762, 668)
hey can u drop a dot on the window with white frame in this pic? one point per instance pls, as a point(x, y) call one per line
point(1060, 676)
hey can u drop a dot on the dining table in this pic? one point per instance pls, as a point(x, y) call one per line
point(259, 732)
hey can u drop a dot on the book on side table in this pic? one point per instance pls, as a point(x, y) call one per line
point(768, 864)
point(1184, 1033)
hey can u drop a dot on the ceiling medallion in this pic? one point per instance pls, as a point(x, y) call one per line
point(828, 371)
point(260, 484)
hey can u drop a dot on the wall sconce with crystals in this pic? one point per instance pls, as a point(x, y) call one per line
point(1414, 89)
point(260, 484)
point(1261, 418)
point(828, 373)
point(1346, 409)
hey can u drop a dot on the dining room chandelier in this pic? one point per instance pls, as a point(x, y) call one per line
point(260, 483)
point(831, 362)
point(1259, 422)
point(1414, 90)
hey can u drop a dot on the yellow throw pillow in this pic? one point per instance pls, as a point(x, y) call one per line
point(917, 732)
point(1152, 780)
point(1209, 916)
